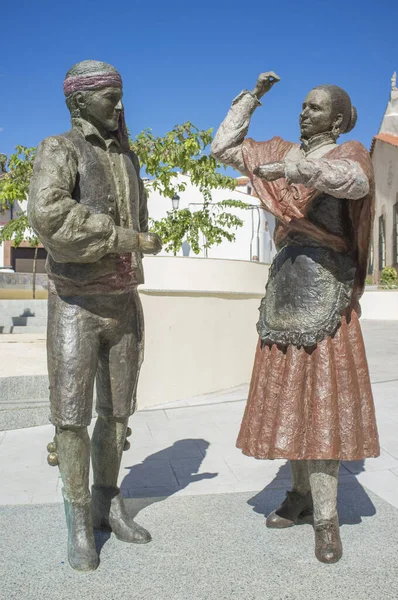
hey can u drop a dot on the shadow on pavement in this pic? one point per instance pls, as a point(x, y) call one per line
point(353, 501)
point(143, 480)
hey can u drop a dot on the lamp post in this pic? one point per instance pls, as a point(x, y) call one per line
point(175, 201)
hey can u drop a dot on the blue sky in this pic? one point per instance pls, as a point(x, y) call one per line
point(185, 60)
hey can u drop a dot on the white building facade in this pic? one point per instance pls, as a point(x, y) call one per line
point(254, 240)
point(384, 153)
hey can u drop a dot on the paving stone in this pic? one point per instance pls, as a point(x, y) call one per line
point(204, 548)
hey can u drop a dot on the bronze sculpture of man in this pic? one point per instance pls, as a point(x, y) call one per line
point(88, 205)
point(310, 399)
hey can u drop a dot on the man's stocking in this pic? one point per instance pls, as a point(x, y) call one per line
point(73, 449)
point(108, 442)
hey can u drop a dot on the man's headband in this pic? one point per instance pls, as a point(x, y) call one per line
point(82, 83)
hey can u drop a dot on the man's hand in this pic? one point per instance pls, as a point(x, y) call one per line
point(270, 171)
point(264, 83)
point(149, 243)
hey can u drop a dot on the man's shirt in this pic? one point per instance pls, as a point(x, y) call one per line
point(87, 204)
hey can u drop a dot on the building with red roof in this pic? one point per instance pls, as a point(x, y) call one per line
point(384, 152)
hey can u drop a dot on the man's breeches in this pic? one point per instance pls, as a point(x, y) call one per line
point(93, 337)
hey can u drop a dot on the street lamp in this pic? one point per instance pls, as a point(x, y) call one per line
point(175, 201)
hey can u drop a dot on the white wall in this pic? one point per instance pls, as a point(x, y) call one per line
point(385, 163)
point(5, 217)
point(390, 119)
point(380, 305)
point(200, 326)
point(240, 249)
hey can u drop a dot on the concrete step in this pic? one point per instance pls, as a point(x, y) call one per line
point(25, 329)
point(23, 307)
point(24, 401)
point(23, 316)
point(21, 312)
point(28, 413)
point(34, 326)
point(29, 321)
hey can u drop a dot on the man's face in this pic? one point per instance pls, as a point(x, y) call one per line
point(316, 115)
point(102, 108)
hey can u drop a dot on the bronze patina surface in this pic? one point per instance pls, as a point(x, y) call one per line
point(310, 397)
point(88, 205)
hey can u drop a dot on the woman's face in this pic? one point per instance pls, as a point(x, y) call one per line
point(317, 114)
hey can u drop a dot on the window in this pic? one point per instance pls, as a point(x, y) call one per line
point(395, 235)
point(22, 260)
point(382, 243)
point(371, 259)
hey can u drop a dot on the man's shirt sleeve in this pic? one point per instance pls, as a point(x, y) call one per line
point(69, 231)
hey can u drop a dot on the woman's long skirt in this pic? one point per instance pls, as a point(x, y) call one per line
point(312, 403)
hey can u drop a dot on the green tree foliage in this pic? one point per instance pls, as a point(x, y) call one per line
point(18, 230)
point(389, 278)
point(14, 186)
point(185, 149)
point(202, 229)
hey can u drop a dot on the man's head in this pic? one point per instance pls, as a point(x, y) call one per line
point(93, 91)
point(327, 108)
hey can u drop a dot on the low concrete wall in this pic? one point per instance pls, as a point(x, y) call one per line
point(200, 317)
point(380, 305)
point(200, 336)
point(202, 275)
point(19, 285)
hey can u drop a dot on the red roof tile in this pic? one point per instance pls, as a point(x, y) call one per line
point(384, 137)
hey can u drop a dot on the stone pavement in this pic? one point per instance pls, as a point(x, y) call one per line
point(204, 503)
point(212, 547)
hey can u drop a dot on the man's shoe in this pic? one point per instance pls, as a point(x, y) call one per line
point(109, 511)
point(82, 554)
point(295, 509)
point(328, 546)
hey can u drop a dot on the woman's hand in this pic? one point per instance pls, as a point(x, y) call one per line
point(270, 171)
point(265, 81)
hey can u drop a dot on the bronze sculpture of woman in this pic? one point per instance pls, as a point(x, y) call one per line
point(310, 398)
